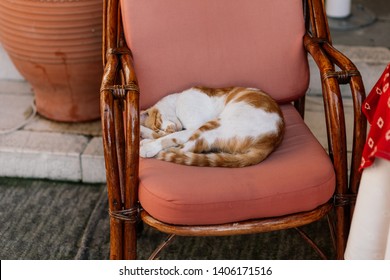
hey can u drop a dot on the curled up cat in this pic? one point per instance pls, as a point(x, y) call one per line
point(226, 127)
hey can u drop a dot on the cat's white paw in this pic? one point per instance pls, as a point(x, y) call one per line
point(149, 148)
point(145, 141)
point(146, 133)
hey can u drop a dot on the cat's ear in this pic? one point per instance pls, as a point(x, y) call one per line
point(143, 115)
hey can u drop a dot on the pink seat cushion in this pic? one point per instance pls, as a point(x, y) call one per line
point(297, 177)
point(177, 44)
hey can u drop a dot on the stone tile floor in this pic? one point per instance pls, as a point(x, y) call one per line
point(43, 148)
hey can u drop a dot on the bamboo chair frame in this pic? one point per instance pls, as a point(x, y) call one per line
point(120, 121)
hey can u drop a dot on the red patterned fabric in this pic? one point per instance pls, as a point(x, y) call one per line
point(377, 110)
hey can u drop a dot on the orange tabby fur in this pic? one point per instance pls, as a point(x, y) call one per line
point(176, 135)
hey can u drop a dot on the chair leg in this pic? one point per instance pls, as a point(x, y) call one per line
point(130, 241)
point(164, 244)
point(116, 237)
point(332, 230)
point(338, 236)
point(341, 231)
point(311, 243)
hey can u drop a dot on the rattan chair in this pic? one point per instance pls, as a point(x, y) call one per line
point(156, 47)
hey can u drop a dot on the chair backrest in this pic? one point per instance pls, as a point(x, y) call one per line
point(177, 44)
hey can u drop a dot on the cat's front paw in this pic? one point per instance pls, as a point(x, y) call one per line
point(149, 148)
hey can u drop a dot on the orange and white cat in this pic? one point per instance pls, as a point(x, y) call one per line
point(228, 127)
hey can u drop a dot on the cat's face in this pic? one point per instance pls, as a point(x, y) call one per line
point(153, 119)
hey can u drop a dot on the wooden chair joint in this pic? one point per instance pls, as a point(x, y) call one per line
point(119, 91)
point(340, 200)
point(119, 51)
point(315, 41)
point(131, 215)
point(343, 76)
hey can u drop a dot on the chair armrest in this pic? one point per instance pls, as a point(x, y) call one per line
point(120, 124)
point(360, 122)
point(108, 132)
point(120, 130)
point(326, 57)
point(132, 128)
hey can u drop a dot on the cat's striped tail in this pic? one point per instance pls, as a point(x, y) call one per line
point(251, 157)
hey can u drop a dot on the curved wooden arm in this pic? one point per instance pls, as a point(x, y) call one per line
point(325, 56)
point(334, 111)
point(360, 123)
point(110, 154)
point(120, 123)
point(132, 152)
point(319, 45)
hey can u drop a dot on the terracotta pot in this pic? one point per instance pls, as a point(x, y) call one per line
point(56, 46)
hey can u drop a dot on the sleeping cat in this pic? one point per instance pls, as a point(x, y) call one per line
point(227, 127)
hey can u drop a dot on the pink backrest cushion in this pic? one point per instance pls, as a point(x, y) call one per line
point(177, 44)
